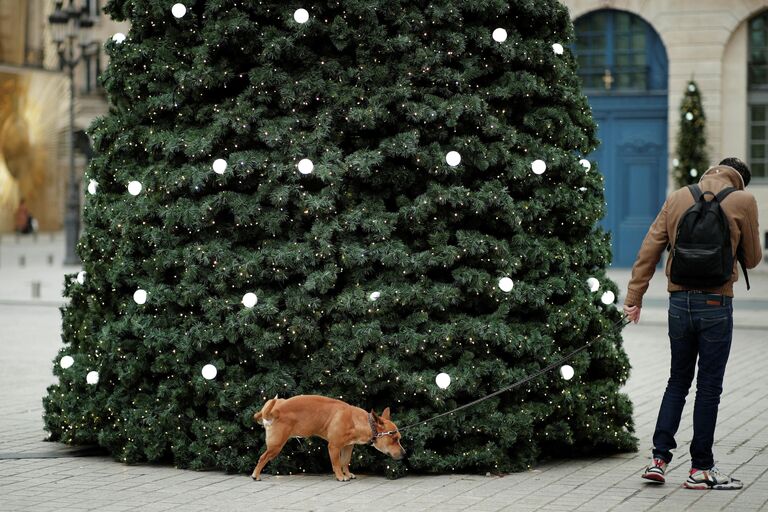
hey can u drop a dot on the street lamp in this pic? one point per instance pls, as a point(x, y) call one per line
point(70, 30)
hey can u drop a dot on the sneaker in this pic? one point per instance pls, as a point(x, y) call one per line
point(655, 472)
point(711, 479)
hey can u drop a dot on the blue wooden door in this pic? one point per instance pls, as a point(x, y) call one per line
point(623, 67)
point(632, 157)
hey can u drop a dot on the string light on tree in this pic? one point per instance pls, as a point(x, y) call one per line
point(209, 372)
point(453, 158)
point(443, 380)
point(301, 15)
point(306, 166)
point(178, 10)
point(538, 166)
point(134, 188)
point(219, 166)
point(499, 35)
point(66, 362)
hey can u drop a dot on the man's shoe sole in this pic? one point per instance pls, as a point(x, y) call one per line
point(717, 487)
point(654, 477)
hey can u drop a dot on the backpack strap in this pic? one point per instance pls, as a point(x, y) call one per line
point(695, 192)
point(724, 193)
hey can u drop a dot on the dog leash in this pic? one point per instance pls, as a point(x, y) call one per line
point(623, 321)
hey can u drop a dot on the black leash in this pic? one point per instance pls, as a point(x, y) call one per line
point(623, 321)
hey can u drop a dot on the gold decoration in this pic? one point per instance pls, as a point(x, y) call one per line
point(30, 109)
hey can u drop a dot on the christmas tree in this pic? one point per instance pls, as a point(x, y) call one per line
point(692, 159)
point(342, 198)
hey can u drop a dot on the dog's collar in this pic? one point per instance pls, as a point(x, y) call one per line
point(376, 434)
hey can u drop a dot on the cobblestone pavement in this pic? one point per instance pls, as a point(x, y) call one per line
point(41, 476)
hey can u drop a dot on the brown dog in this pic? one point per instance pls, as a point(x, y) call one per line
point(339, 423)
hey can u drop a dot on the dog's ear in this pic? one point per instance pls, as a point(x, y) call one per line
point(376, 418)
point(385, 414)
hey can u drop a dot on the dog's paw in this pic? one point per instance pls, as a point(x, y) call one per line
point(256, 478)
point(342, 479)
point(352, 476)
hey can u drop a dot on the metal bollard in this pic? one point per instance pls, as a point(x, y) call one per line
point(36, 285)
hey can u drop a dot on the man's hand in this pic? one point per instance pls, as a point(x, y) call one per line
point(632, 312)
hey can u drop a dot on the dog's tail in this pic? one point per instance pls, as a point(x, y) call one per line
point(266, 412)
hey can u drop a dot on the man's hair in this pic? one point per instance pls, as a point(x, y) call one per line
point(740, 166)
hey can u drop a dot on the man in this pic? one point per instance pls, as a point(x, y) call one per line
point(700, 323)
point(24, 221)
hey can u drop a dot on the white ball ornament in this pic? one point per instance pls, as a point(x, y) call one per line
point(66, 362)
point(92, 186)
point(81, 277)
point(538, 166)
point(499, 35)
point(506, 284)
point(92, 378)
point(608, 298)
point(134, 188)
point(118, 37)
point(250, 300)
point(689, 116)
point(558, 49)
point(586, 164)
point(306, 166)
point(374, 296)
point(443, 380)
point(593, 284)
point(301, 15)
point(567, 371)
point(691, 87)
point(178, 10)
point(219, 166)
point(209, 372)
point(694, 173)
point(453, 158)
point(140, 296)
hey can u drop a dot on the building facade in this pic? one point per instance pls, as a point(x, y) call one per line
point(636, 58)
point(34, 103)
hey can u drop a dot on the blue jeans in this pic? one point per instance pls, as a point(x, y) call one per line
point(700, 327)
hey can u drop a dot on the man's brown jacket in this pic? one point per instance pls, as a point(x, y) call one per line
point(741, 209)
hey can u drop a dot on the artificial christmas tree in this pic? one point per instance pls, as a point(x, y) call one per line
point(343, 198)
point(691, 151)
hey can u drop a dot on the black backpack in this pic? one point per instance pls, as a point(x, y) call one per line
point(702, 256)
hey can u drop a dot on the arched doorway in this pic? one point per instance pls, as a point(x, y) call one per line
point(623, 67)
